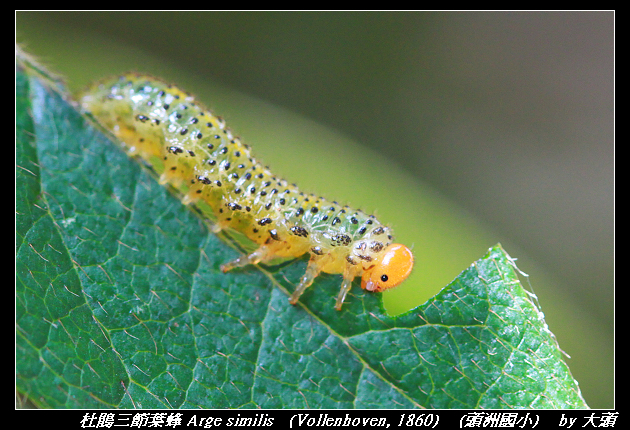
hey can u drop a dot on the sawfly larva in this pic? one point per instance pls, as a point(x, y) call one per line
point(193, 150)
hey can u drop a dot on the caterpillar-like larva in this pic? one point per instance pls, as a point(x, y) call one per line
point(195, 152)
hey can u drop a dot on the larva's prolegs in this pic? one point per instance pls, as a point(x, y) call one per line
point(192, 150)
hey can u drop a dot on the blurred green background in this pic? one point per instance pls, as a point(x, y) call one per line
point(461, 130)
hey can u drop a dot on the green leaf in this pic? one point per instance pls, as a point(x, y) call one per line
point(120, 303)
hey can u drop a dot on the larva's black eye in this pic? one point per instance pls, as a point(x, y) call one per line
point(384, 278)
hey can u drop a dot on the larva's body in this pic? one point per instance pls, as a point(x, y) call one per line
point(195, 152)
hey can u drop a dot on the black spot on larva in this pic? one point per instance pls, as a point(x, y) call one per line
point(376, 246)
point(184, 131)
point(282, 201)
point(340, 239)
point(156, 121)
point(199, 136)
point(248, 176)
point(241, 166)
point(335, 220)
point(353, 220)
point(274, 234)
point(365, 257)
point(194, 120)
point(378, 230)
point(299, 212)
point(362, 231)
point(317, 250)
point(237, 191)
point(166, 106)
point(234, 206)
point(204, 180)
point(237, 153)
point(175, 150)
point(263, 193)
point(299, 231)
point(223, 150)
point(325, 218)
point(226, 166)
point(350, 260)
point(264, 221)
point(217, 183)
point(314, 210)
point(212, 162)
point(142, 118)
point(191, 153)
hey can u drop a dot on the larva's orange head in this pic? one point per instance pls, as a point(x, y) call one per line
point(390, 270)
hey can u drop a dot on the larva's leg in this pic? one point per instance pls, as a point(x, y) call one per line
point(345, 287)
point(261, 254)
point(163, 179)
point(348, 276)
point(187, 200)
point(312, 270)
